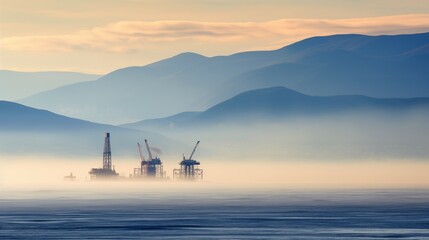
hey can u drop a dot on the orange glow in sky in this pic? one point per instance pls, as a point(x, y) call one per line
point(36, 35)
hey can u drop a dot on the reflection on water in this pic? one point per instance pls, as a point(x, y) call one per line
point(214, 213)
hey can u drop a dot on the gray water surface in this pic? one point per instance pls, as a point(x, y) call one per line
point(215, 214)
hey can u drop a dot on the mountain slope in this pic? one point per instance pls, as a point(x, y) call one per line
point(336, 72)
point(17, 117)
point(25, 130)
point(121, 95)
point(170, 121)
point(279, 103)
point(17, 85)
point(376, 66)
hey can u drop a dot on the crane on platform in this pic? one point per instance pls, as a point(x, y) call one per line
point(193, 151)
point(142, 160)
point(148, 150)
point(152, 167)
point(189, 168)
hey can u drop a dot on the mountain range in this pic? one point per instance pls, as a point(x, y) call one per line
point(279, 103)
point(25, 130)
point(17, 85)
point(375, 66)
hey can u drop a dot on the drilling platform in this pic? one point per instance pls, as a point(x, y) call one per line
point(108, 171)
point(151, 168)
point(189, 168)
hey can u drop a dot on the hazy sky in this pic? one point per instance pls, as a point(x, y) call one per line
point(99, 36)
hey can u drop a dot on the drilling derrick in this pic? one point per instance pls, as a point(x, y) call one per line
point(108, 171)
point(152, 167)
point(189, 168)
point(107, 153)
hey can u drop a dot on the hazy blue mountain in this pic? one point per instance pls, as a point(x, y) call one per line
point(278, 103)
point(282, 102)
point(126, 94)
point(170, 121)
point(17, 85)
point(25, 130)
point(376, 66)
point(19, 118)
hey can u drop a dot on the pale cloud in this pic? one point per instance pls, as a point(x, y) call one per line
point(128, 36)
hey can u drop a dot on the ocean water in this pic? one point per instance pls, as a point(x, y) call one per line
point(214, 213)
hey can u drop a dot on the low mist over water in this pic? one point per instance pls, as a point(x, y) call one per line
point(37, 173)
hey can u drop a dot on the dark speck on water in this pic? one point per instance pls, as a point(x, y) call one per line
point(217, 214)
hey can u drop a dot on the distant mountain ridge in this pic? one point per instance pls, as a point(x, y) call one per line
point(277, 103)
point(170, 121)
point(25, 130)
point(18, 85)
point(280, 101)
point(17, 117)
point(376, 66)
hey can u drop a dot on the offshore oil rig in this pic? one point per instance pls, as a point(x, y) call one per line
point(108, 171)
point(149, 169)
point(152, 168)
point(189, 168)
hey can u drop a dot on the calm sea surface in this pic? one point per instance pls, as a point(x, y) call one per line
point(214, 214)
